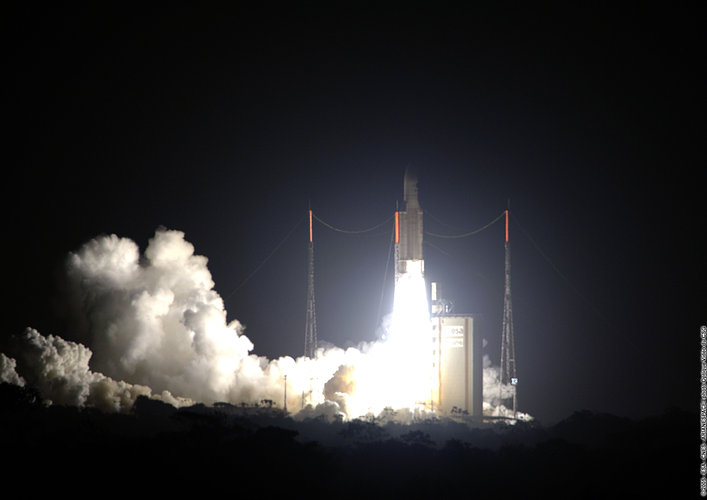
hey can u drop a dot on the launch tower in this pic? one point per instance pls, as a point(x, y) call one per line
point(310, 329)
point(508, 352)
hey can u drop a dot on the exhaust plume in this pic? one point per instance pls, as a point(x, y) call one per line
point(153, 325)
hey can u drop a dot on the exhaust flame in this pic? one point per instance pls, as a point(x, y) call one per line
point(395, 373)
point(411, 342)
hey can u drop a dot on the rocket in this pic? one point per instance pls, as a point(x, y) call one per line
point(408, 229)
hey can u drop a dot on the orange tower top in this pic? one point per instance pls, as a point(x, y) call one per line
point(310, 225)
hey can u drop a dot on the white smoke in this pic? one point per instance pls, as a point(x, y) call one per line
point(59, 371)
point(157, 321)
point(8, 374)
point(495, 393)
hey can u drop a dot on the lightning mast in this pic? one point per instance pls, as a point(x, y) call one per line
point(310, 329)
point(508, 353)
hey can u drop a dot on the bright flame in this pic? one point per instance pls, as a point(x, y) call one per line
point(397, 373)
point(411, 341)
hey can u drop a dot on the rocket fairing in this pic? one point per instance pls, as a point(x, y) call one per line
point(410, 228)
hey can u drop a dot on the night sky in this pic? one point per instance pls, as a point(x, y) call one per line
point(226, 124)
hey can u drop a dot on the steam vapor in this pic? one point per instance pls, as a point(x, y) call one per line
point(156, 327)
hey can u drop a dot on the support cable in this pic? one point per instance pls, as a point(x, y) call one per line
point(242, 283)
point(561, 275)
point(348, 231)
point(440, 221)
point(470, 233)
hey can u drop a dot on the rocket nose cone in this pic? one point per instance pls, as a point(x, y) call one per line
point(410, 175)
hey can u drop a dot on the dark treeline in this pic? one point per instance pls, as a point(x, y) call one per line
point(158, 449)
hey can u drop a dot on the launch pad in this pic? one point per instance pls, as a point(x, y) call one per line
point(433, 354)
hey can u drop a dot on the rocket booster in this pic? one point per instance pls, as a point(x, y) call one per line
point(410, 228)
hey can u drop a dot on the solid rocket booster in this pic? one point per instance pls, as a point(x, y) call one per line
point(410, 228)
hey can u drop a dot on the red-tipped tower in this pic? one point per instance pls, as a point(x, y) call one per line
point(508, 351)
point(310, 328)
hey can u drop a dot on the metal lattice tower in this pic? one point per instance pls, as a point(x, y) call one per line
point(310, 328)
point(508, 352)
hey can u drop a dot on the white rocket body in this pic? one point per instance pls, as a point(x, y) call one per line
point(410, 258)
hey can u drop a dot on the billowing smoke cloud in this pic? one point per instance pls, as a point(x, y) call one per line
point(59, 371)
point(153, 325)
point(157, 321)
point(341, 386)
point(495, 393)
point(8, 373)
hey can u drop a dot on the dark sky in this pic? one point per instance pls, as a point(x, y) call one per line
point(225, 124)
